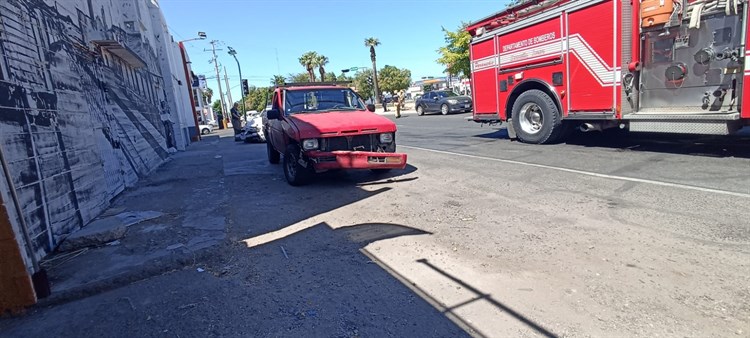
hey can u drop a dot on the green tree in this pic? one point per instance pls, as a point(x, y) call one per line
point(393, 79)
point(321, 61)
point(308, 60)
point(372, 43)
point(361, 84)
point(217, 107)
point(299, 77)
point(455, 54)
point(257, 98)
point(331, 77)
point(277, 80)
point(344, 77)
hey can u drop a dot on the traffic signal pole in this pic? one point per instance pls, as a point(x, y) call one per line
point(243, 84)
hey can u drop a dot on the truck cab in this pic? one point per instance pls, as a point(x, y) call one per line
point(319, 127)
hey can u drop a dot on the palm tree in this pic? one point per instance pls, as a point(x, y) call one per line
point(278, 80)
point(372, 43)
point(321, 61)
point(307, 60)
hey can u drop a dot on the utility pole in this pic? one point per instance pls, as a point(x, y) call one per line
point(215, 60)
point(229, 90)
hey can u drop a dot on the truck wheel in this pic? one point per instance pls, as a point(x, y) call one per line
point(536, 118)
point(295, 173)
point(273, 155)
point(420, 110)
point(205, 131)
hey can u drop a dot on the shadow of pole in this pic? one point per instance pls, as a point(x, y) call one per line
point(538, 328)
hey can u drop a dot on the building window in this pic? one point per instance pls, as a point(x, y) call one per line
point(195, 98)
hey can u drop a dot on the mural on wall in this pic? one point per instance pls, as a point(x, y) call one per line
point(81, 109)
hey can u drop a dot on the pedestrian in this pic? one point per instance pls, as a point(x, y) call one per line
point(399, 103)
point(382, 99)
point(236, 124)
point(220, 119)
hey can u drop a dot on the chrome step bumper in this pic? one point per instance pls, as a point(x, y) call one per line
point(684, 123)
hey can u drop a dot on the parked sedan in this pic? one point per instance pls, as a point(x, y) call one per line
point(444, 102)
point(206, 129)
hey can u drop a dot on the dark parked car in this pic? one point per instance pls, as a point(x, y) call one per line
point(443, 101)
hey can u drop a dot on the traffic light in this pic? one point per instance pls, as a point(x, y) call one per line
point(245, 88)
point(369, 80)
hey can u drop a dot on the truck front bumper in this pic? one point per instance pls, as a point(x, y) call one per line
point(356, 160)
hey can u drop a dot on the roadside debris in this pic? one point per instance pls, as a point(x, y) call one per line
point(200, 270)
point(284, 251)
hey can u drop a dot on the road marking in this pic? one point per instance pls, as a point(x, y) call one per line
point(588, 173)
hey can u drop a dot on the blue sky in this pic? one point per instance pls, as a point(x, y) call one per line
point(409, 32)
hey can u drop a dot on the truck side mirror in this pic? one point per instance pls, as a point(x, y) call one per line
point(371, 107)
point(273, 114)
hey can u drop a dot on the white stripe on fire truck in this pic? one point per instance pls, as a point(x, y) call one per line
point(539, 51)
point(484, 63)
point(604, 74)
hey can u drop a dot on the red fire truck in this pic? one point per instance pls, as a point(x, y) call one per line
point(661, 66)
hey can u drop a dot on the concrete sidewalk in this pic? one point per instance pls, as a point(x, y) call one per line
point(236, 252)
point(184, 200)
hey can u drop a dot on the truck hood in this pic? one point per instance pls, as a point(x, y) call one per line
point(339, 123)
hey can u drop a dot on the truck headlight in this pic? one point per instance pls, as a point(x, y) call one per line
point(452, 101)
point(386, 138)
point(310, 144)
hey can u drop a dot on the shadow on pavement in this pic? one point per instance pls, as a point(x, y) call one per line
point(736, 145)
point(280, 270)
point(486, 297)
point(329, 283)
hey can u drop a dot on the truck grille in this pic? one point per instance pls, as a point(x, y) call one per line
point(356, 142)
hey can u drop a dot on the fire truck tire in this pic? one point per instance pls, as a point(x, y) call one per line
point(273, 156)
point(295, 173)
point(536, 118)
point(420, 110)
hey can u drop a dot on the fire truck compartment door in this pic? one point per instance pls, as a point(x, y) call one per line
point(693, 70)
point(591, 43)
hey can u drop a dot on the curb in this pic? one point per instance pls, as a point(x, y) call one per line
point(150, 269)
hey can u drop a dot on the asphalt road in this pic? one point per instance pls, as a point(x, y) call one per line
point(601, 236)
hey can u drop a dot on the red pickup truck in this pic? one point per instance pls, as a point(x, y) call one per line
point(319, 126)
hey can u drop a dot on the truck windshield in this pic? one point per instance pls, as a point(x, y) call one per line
point(322, 100)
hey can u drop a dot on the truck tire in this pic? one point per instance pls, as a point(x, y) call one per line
point(536, 118)
point(273, 156)
point(420, 110)
point(295, 173)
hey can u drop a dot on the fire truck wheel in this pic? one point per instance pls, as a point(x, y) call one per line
point(420, 110)
point(536, 118)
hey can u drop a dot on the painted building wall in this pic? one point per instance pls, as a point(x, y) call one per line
point(80, 122)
